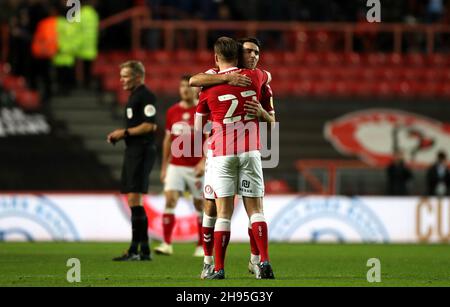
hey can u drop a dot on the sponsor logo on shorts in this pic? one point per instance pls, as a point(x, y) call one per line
point(245, 187)
point(245, 184)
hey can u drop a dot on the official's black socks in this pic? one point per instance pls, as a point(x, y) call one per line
point(139, 224)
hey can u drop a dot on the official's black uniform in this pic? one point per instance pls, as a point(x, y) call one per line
point(140, 150)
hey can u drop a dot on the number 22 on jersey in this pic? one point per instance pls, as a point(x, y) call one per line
point(229, 116)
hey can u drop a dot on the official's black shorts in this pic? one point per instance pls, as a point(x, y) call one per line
point(137, 165)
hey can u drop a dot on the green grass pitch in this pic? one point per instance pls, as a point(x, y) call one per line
point(44, 264)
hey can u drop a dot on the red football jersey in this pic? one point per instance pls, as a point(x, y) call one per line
point(267, 99)
point(234, 131)
point(266, 93)
point(180, 122)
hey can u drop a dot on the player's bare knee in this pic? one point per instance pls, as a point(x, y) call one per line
point(210, 208)
point(171, 199)
point(134, 200)
point(199, 205)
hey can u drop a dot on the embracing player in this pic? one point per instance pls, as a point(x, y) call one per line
point(264, 111)
point(181, 170)
point(236, 160)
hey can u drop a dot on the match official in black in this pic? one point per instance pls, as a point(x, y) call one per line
point(140, 153)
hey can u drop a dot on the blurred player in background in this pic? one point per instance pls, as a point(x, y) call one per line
point(264, 111)
point(180, 172)
point(237, 164)
point(140, 153)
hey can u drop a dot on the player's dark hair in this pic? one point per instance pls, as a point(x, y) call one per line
point(227, 48)
point(442, 156)
point(253, 40)
point(185, 78)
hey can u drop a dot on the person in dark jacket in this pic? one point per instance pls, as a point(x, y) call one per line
point(438, 176)
point(398, 175)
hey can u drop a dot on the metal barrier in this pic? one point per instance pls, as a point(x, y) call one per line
point(298, 31)
point(324, 177)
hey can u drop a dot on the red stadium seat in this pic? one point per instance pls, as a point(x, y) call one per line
point(117, 57)
point(122, 97)
point(341, 88)
point(353, 59)
point(394, 59)
point(111, 83)
point(332, 59)
point(403, 88)
point(271, 58)
point(443, 90)
point(205, 58)
point(290, 58)
point(13, 83)
point(415, 60)
point(385, 74)
point(162, 57)
point(311, 59)
point(438, 60)
point(139, 55)
point(302, 88)
point(376, 59)
point(28, 100)
point(185, 57)
point(382, 89)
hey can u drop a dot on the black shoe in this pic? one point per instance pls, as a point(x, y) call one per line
point(266, 270)
point(128, 257)
point(146, 257)
point(217, 275)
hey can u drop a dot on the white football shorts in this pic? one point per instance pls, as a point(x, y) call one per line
point(208, 191)
point(182, 178)
point(241, 174)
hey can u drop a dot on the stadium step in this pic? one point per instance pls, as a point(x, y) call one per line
point(79, 116)
point(87, 116)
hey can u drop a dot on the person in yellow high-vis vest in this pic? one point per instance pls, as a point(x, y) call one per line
point(69, 40)
point(88, 27)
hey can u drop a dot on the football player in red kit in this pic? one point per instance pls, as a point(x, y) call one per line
point(265, 112)
point(181, 170)
point(236, 160)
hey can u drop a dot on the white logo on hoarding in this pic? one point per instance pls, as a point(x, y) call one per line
point(337, 219)
point(26, 218)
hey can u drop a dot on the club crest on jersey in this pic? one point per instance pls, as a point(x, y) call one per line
point(375, 134)
point(129, 113)
point(208, 189)
point(186, 116)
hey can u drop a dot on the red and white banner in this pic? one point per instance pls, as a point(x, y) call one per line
point(374, 135)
